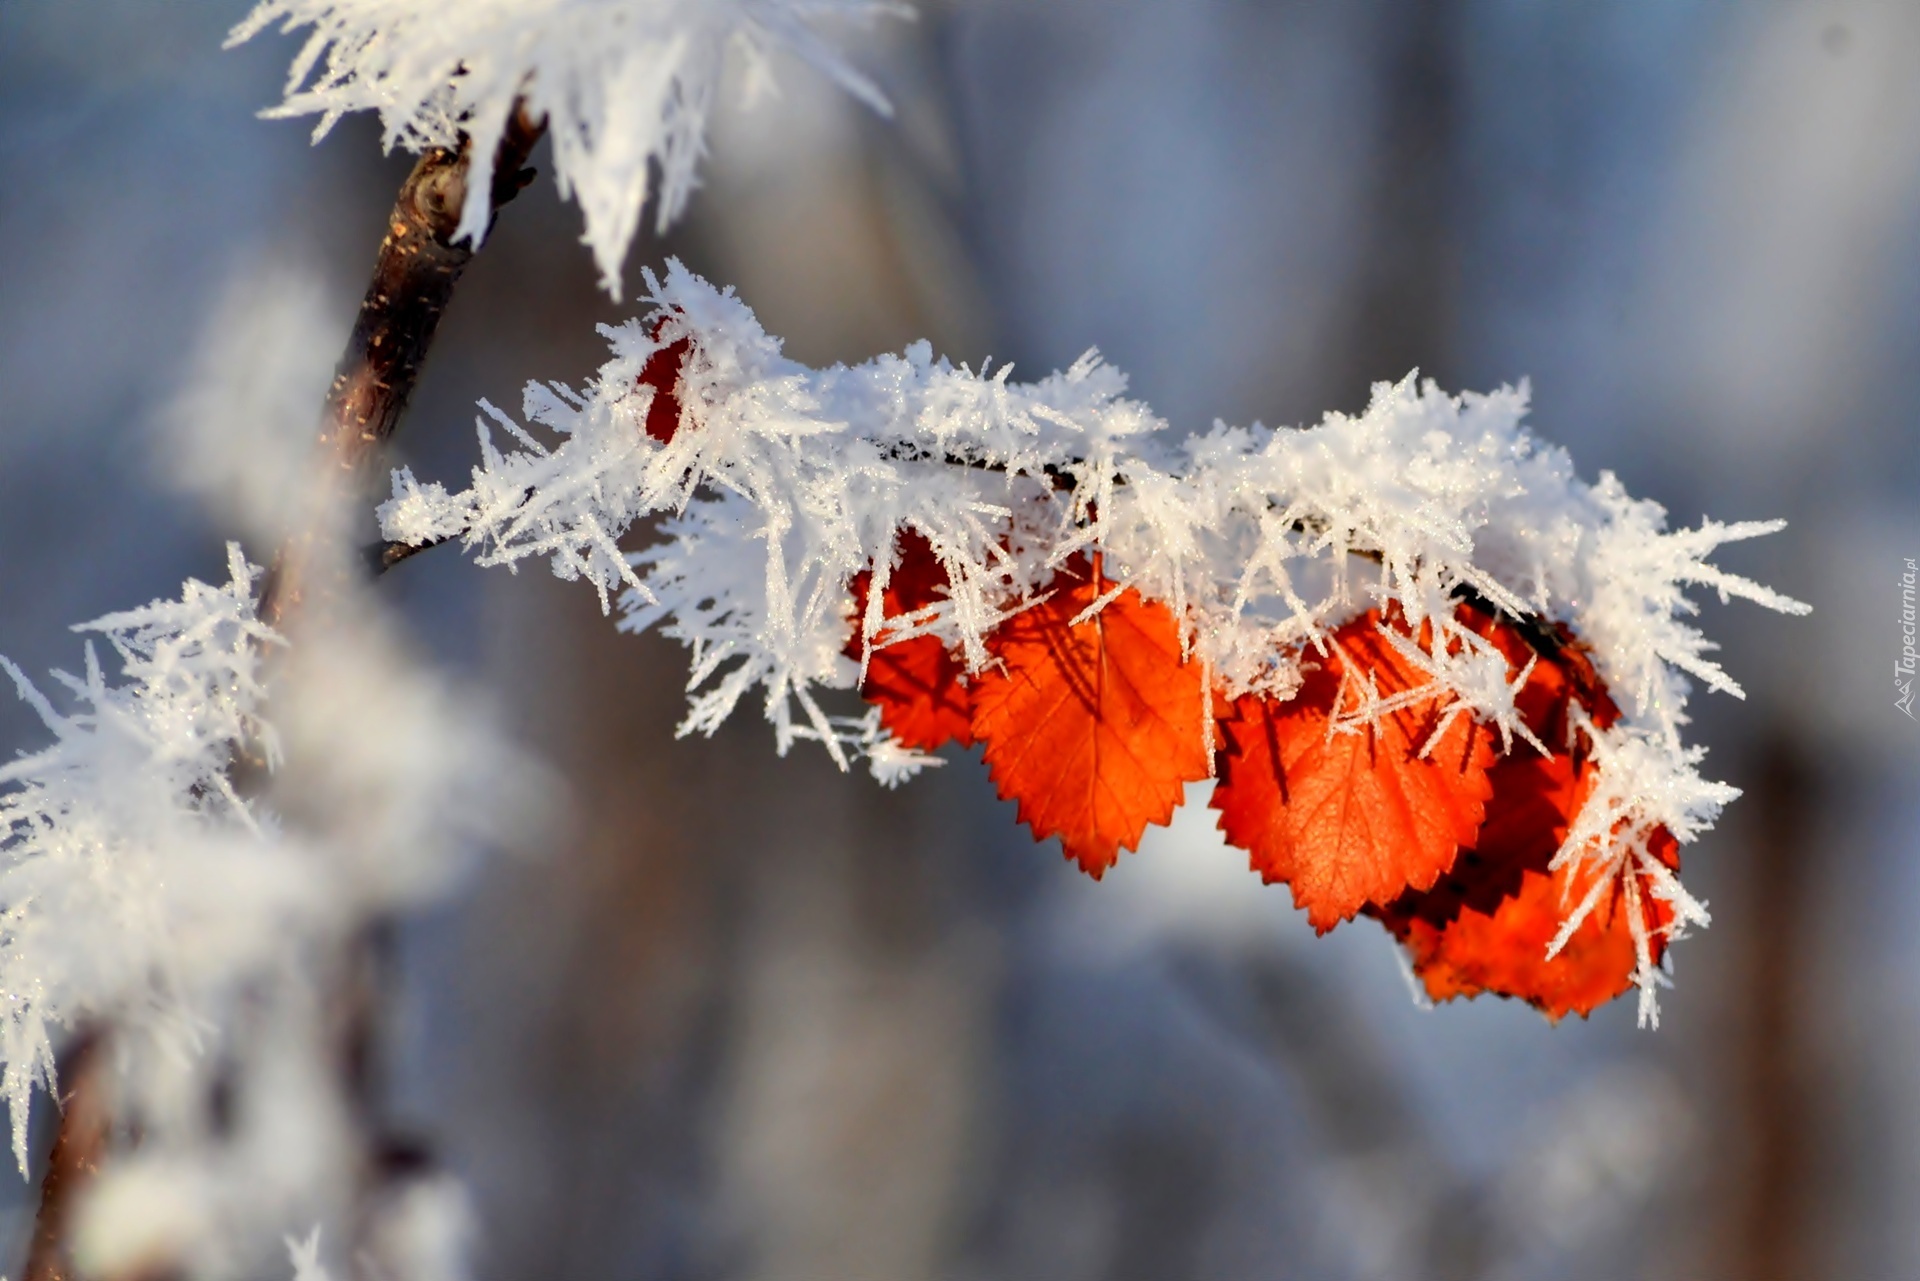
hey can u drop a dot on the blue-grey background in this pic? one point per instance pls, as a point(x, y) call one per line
point(747, 1018)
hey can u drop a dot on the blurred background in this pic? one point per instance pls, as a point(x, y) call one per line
point(746, 1018)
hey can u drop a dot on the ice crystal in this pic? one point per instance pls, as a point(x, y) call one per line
point(131, 873)
point(149, 899)
point(624, 85)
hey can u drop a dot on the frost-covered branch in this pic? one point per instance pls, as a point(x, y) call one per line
point(783, 482)
point(416, 270)
point(777, 485)
point(201, 930)
point(625, 86)
point(127, 831)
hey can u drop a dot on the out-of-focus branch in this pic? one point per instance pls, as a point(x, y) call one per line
point(413, 280)
point(1772, 1211)
point(77, 1150)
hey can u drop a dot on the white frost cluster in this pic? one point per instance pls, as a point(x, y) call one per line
point(147, 897)
point(131, 874)
point(622, 84)
point(782, 482)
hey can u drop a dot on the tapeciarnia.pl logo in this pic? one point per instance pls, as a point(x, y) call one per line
point(1903, 667)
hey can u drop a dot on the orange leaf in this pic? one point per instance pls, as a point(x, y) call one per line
point(1352, 813)
point(1095, 728)
point(1486, 925)
point(918, 685)
point(1505, 951)
point(1534, 797)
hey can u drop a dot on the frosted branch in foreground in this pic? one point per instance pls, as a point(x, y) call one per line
point(622, 84)
point(779, 484)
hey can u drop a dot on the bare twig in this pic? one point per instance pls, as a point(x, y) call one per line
point(413, 280)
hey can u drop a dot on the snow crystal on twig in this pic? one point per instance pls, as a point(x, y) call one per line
point(624, 85)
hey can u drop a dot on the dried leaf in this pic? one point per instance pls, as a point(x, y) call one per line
point(1534, 797)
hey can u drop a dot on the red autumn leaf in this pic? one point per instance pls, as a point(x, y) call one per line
point(918, 684)
point(1505, 951)
point(1534, 797)
point(1485, 926)
point(1094, 729)
point(1352, 814)
point(662, 373)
